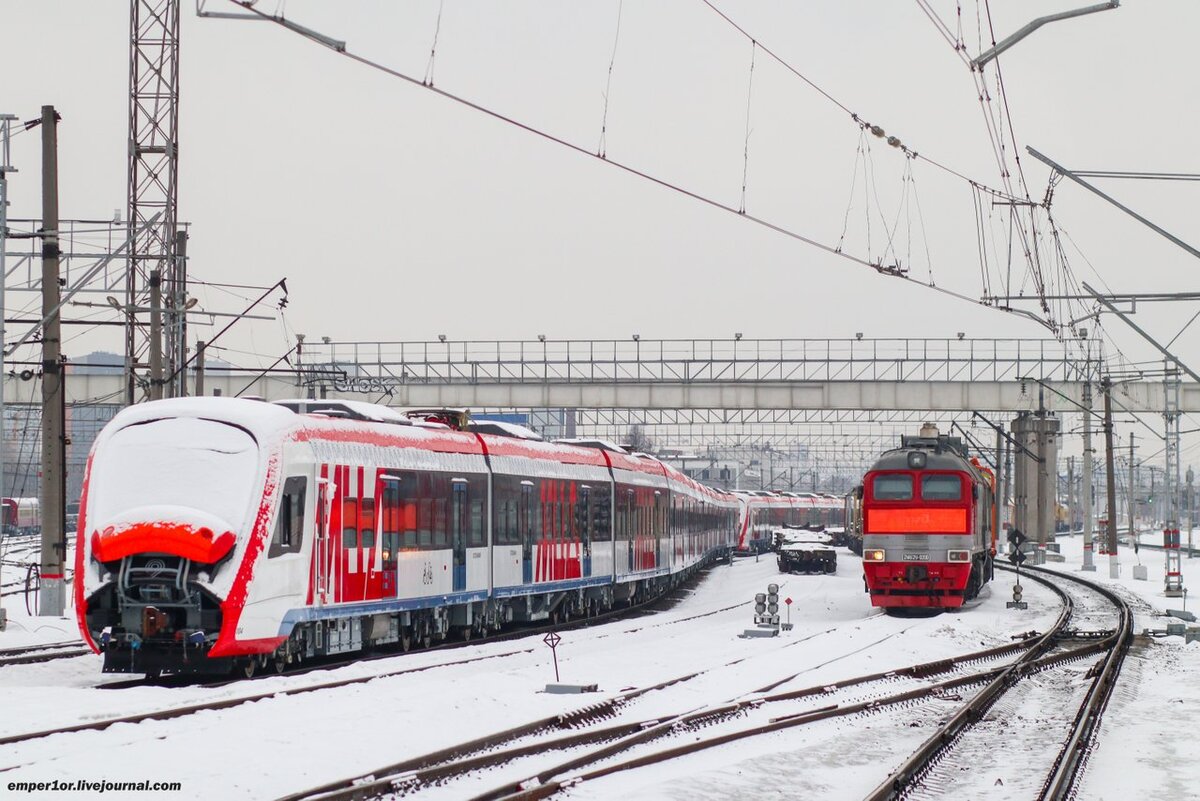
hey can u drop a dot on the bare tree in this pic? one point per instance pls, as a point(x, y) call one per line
point(637, 441)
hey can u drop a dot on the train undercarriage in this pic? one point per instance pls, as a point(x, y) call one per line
point(151, 619)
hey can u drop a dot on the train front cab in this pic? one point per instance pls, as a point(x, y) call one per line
point(919, 541)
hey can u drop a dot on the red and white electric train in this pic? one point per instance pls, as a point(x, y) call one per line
point(762, 513)
point(218, 534)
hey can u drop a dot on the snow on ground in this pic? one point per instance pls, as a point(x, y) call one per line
point(1139, 752)
point(275, 746)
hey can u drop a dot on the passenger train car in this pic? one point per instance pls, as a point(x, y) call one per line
point(928, 524)
point(763, 512)
point(218, 534)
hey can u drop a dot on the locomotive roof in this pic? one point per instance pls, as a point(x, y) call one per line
point(935, 460)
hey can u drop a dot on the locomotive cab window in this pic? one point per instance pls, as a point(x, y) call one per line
point(289, 526)
point(941, 488)
point(898, 487)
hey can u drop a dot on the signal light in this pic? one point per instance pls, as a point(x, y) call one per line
point(760, 604)
point(873, 555)
point(958, 556)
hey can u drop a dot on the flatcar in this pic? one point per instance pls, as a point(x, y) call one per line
point(221, 535)
point(928, 523)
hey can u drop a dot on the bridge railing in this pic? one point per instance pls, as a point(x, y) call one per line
point(701, 360)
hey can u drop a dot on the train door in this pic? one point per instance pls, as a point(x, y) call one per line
point(391, 524)
point(658, 522)
point(585, 528)
point(525, 523)
point(458, 539)
point(321, 549)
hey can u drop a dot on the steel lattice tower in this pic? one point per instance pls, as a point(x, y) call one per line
point(153, 168)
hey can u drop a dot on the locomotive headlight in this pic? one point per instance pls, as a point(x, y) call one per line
point(958, 556)
point(916, 460)
point(873, 555)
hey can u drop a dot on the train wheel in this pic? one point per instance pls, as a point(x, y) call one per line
point(406, 640)
point(279, 663)
point(249, 667)
point(466, 633)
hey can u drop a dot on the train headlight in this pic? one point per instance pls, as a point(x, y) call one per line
point(873, 555)
point(958, 556)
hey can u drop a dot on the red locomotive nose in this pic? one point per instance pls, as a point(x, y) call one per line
point(180, 539)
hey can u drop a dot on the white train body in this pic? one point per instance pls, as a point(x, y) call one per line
point(219, 532)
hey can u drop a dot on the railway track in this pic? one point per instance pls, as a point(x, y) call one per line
point(933, 768)
point(226, 703)
point(599, 751)
point(595, 724)
point(45, 652)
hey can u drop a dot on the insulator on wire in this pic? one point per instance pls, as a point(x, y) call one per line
point(893, 141)
point(875, 129)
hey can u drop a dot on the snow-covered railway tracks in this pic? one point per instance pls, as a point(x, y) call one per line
point(1048, 695)
point(227, 703)
point(45, 652)
point(512, 749)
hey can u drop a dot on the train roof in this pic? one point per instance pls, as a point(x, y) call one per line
point(369, 424)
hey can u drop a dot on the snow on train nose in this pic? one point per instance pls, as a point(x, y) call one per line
point(157, 609)
point(185, 540)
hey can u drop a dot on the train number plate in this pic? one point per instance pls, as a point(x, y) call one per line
point(916, 557)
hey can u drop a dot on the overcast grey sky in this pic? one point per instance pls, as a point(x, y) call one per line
point(396, 214)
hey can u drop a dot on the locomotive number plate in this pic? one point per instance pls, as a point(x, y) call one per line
point(916, 557)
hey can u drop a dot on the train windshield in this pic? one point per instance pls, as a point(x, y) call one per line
point(893, 487)
point(941, 488)
point(178, 469)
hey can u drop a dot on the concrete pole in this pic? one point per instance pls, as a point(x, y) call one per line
point(1114, 564)
point(1133, 490)
point(1088, 475)
point(200, 368)
point(156, 338)
point(1191, 508)
point(179, 329)
point(1070, 494)
point(6, 121)
point(53, 504)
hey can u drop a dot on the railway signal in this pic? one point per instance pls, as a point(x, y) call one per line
point(788, 625)
point(1017, 556)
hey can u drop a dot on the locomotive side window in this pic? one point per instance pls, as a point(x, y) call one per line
point(289, 527)
point(897, 487)
point(940, 488)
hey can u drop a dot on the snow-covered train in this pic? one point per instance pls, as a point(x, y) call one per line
point(928, 522)
point(222, 535)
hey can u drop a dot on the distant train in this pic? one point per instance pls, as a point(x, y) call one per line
point(22, 515)
point(762, 513)
point(928, 521)
point(222, 535)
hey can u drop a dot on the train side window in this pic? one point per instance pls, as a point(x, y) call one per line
point(289, 527)
point(893, 487)
point(941, 488)
point(349, 522)
point(366, 523)
point(476, 535)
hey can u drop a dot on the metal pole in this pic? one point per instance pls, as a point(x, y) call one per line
point(1088, 475)
point(156, 339)
point(5, 168)
point(53, 433)
point(1114, 564)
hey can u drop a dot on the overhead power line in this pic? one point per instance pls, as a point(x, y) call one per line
point(339, 47)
